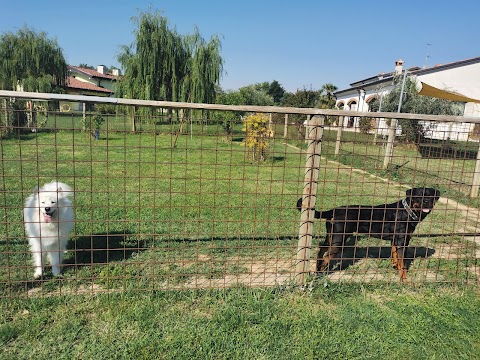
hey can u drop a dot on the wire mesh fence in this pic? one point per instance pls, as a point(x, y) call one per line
point(181, 198)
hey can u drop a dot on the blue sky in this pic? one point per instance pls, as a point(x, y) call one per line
point(303, 43)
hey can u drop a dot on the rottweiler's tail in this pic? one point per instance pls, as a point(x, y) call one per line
point(318, 214)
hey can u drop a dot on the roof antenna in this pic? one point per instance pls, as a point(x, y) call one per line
point(427, 56)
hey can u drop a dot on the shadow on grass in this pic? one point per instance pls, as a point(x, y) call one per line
point(85, 251)
point(352, 254)
point(100, 249)
point(229, 239)
point(277, 158)
point(446, 150)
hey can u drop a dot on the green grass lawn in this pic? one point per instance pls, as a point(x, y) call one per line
point(335, 321)
point(408, 166)
point(201, 214)
point(186, 252)
point(150, 213)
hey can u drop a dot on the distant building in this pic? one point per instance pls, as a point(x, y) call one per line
point(90, 82)
point(461, 77)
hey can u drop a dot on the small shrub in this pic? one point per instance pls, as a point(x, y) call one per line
point(365, 124)
point(258, 133)
point(227, 127)
point(97, 122)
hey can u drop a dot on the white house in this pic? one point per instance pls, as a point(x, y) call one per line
point(461, 78)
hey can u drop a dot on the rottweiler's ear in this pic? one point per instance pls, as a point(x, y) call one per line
point(299, 204)
point(409, 192)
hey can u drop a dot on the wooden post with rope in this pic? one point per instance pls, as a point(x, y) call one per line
point(314, 135)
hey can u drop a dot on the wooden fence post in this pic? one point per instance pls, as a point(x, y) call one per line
point(285, 129)
point(377, 127)
point(84, 116)
point(180, 128)
point(307, 129)
point(391, 139)
point(476, 176)
point(339, 134)
point(314, 135)
point(4, 115)
point(30, 121)
point(134, 113)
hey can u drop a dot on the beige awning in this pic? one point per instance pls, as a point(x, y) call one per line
point(429, 90)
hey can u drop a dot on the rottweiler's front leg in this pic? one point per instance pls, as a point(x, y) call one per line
point(328, 251)
point(320, 263)
point(322, 259)
point(399, 247)
point(394, 256)
point(398, 261)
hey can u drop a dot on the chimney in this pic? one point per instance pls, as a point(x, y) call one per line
point(398, 66)
point(115, 72)
point(101, 69)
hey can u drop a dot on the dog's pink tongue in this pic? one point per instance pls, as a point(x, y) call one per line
point(47, 218)
point(426, 210)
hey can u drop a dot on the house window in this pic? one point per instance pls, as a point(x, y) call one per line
point(351, 119)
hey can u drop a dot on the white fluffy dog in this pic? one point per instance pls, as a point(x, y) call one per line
point(48, 217)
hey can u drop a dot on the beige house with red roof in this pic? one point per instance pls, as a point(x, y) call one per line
point(90, 82)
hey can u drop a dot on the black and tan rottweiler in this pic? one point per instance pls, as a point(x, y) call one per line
point(394, 222)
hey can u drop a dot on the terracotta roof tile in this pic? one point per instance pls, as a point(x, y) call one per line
point(92, 73)
point(77, 84)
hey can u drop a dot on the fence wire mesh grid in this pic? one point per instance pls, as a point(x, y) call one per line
point(189, 199)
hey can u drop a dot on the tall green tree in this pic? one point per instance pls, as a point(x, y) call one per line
point(204, 69)
point(276, 91)
point(246, 95)
point(86, 66)
point(305, 98)
point(164, 65)
point(255, 94)
point(154, 63)
point(310, 98)
point(31, 60)
point(327, 98)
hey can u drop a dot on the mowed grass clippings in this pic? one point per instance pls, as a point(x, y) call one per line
point(331, 321)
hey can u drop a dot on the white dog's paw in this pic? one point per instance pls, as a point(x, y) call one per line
point(56, 271)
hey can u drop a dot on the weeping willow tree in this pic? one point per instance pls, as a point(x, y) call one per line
point(29, 61)
point(204, 69)
point(155, 63)
point(163, 65)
